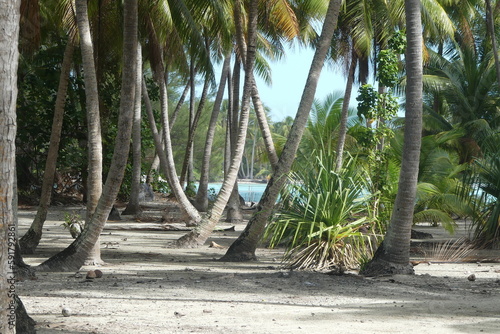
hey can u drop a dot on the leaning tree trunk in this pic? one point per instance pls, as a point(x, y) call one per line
point(393, 255)
point(200, 233)
point(201, 201)
point(243, 248)
point(345, 112)
point(173, 180)
point(259, 108)
point(188, 157)
point(177, 109)
point(264, 126)
point(31, 238)
point(133, 207)
point(94, 139)
point(74, 256)
point(166, 155)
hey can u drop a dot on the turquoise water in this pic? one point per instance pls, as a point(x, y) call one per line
point(251, 192)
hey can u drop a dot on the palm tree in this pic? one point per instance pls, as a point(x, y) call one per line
point(393, 255)
point(74, 256)
point(133, 207)
point(94, 139)
point(243, 249)
point(201, 201)
point(31, 238)
point(201, 232)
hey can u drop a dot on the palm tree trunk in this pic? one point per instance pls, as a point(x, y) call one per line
point(173, 180)
point(133, 207)
point(188, 157)
point(74, 256)
point(9, 57)
point(200, 233)
point(31, 238)
point(491, 30)
point(345, 112)
point(264, 126)
point(393, 255)
point(94, 139)
point(259, 108)
point(234, 213)
point(243, 249)
point(178, 107)
point(201, 201)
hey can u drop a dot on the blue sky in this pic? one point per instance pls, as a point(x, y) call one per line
point(289, 76)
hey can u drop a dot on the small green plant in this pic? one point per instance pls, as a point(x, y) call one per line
point(398, 42)
point(159, 184)
point(212, 194)
point(73, 222)
point(388, 70)
point(367, 102)
point(322, 217)
point(190, 190)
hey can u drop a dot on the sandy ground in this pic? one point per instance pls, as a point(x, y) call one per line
point(150, 288)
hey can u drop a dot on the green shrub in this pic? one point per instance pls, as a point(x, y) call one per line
point(322, 215)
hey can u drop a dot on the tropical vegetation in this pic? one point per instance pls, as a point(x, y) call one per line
point(177, 80)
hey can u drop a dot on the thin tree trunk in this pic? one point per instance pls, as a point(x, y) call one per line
point(74, 256)
point(264, 126)
point(200, 233)
point(94, 139)
point(201, 201)
point(234, 213)
point(186, 206)
point(189, 146)
point(133, 207)
point(193, 215)
point(491, 30)
point(157, 162)
point(243, 249)
point(31, 238)
point(189, 149)
point(185, 92)
point(9, 57)
point(393, 255)
point(345, 112)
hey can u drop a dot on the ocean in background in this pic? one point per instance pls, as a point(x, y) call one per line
point(250, 191)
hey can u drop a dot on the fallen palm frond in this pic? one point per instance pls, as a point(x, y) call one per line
point(451, 251)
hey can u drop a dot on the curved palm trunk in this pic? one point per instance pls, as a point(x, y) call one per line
point(264, 126)
point(9, 56)
point(259, 108)
point(243, 248)
point(74, 256)
point(31, 238)
point(393, 255)
point(94, 139)
point(166, 155)
point(200, 233)
point(201, 201)
point(133, 207)
point(345, 110)
point(173, 180)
